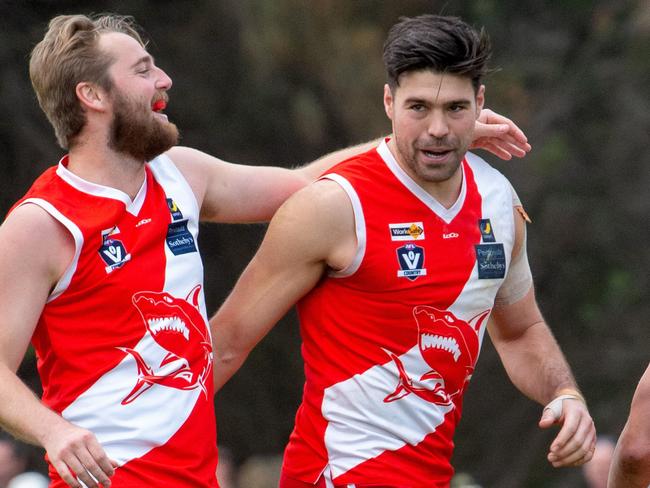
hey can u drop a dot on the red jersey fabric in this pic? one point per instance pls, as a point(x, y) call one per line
point(123, 345)
point(390, 343)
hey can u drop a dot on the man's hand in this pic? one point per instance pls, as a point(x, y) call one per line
point(75, 453)
point(500, 136)
point(575, 443)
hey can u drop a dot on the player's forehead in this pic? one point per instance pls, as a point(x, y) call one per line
point(429, 85)
point(124, 49)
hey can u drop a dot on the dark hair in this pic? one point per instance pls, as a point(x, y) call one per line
point(439, 43)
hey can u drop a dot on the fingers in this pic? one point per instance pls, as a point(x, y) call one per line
point(500, 136)
point(549, 417)
point(503, 147)
point(96, 466)
point(64, 472)
point(495, 149)
point(90, 470)
point(575, 443)
point(493, 119)
point(78, 457)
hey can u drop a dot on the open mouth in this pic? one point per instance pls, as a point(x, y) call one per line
point(437, 153)
point(158, 106)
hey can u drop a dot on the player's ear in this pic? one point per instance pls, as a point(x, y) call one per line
point(389, 101)
point(480, 100)
point(92, 96)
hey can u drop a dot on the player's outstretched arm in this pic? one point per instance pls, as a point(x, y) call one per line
point(30, 265)
point(631, 462)
point(235, 193)
point(288, 264)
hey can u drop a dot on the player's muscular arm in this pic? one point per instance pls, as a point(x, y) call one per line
point(235, 193)
point(312, 231)
point(35, 250)
point(537, 367)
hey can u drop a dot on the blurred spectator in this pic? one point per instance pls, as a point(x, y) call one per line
point(596, 471)
point(260, 472)
point(31, 479)
point(464, 480)
point(13, 459)
point(226, 469)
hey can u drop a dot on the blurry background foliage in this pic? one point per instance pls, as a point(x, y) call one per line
point(284, 81)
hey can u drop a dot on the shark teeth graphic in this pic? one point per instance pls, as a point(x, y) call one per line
point(449, 344)
point(175, 324)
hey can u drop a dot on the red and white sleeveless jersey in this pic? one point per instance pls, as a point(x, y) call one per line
point(123, 345)
point(390, 343)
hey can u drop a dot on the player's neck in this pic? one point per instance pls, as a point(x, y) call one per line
point(444, 191)
point(99, 164)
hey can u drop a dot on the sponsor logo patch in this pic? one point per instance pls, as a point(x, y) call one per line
point(485, 226)
point(491, 259)
point(175, 211)
point(410, 231)
point(411, 262)
point(179, 239)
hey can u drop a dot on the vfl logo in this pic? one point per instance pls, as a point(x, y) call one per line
point(411, 261)
point(112, 251)
point(450, 347)
point(178, 327)
point(412, 231)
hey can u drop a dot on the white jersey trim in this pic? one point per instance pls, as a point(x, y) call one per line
point(132, 206)
point(164, 168)
point(359, 227)
point(446, 214)
point(64, 281)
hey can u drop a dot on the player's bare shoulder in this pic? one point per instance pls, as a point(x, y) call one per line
point(30, 235)
point(210, 178)
point(322, 214)
point(324, 201)
point(192, 165)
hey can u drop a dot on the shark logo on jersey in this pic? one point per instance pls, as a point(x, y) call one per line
point(178, 327)
point(112, 250)
point(449, 346)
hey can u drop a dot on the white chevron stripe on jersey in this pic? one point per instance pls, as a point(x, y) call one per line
point(139, 426)
point(348, 406)
point(129, 430)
